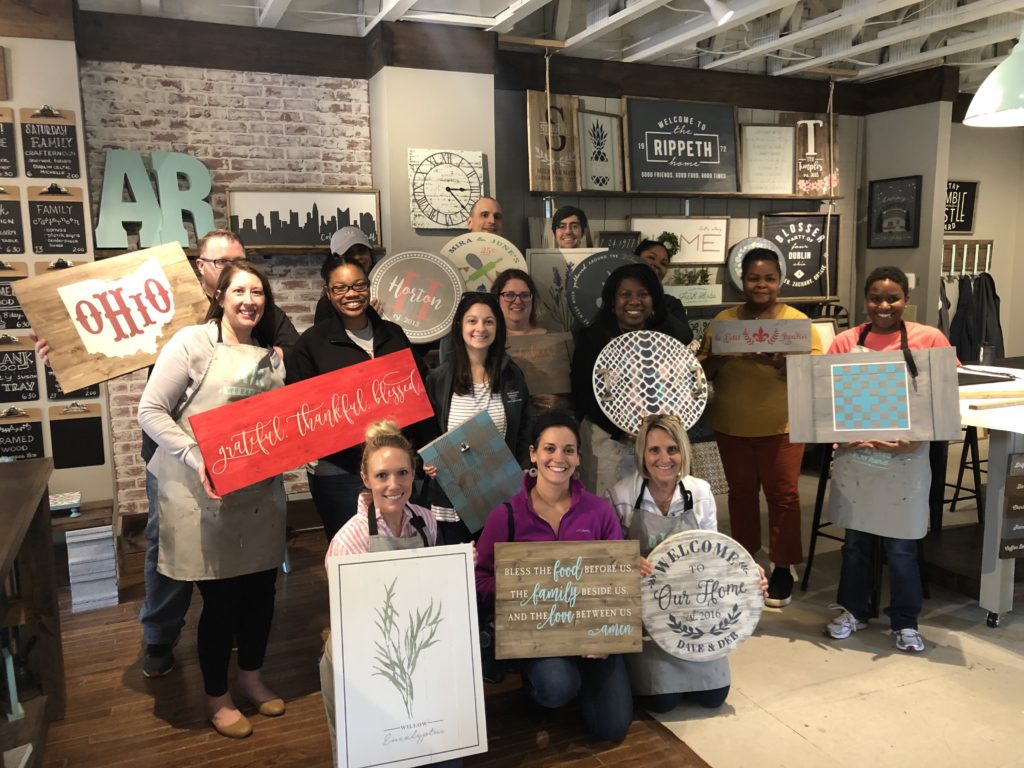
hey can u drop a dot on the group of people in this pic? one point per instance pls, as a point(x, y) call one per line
point(585, 478)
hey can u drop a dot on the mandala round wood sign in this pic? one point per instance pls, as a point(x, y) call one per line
point(645, 372)
point(703, 597)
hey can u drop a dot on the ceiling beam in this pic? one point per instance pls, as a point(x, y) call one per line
point(700, 28)
point(822, 25)
point(271, 12)
point(613, 22)
point(516, 12)
point(390, 10)
point(563, 13)
point(456, 19)
point(963, 15)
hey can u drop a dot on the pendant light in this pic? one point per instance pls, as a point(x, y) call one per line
point(720, 12)
point(999, 102)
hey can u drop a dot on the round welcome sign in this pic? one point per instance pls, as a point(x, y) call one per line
point(703, 597)
point(419, 291)
point(480, 257)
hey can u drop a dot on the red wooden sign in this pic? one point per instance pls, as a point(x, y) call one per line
point(256, 438)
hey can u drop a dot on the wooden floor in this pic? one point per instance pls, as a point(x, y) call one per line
point(116, 717)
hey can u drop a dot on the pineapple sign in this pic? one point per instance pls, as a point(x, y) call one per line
point(600, 151)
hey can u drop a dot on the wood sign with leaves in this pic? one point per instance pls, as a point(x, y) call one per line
point(551, 131)
point(566, 598)
point(741, 337)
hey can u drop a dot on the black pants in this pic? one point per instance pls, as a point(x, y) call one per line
point(241, 607)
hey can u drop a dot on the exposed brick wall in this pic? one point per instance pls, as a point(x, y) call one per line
point(251, 129)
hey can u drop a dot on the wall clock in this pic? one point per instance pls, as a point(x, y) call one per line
point(443, 185)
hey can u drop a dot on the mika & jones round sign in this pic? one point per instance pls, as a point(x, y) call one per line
point(481, 256)
point(419, 291)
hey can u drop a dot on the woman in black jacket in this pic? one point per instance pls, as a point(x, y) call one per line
point(632, 300)
point(477, 376)
point(352, 333)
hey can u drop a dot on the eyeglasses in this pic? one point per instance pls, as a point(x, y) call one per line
point(573, 225)
point(220, 263)
point(340, 289)
point(511, 296)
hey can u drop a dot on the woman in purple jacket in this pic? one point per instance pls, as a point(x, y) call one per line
point(554, 506)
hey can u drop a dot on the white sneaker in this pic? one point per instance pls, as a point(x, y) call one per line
point(909, 640)
point(843, 625)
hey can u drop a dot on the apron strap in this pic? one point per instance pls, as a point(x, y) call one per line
point(687, 497)
point(416, 521)
point(904, 346)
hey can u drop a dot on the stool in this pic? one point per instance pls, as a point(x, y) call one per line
point(977, 492)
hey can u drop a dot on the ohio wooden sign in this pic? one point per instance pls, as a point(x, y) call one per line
point(740, 337)
point(261, 436)
point(112, 317)
point(566, 598)
point(703, 597)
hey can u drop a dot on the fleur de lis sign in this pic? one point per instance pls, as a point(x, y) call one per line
point(761, 335)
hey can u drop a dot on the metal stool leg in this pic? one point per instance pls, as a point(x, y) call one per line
point(979, 491)
point(819, 503)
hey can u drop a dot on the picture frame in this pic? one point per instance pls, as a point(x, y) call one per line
point(551, 270)
point(817, 153)
point(551, 137)
point(599, 151)
point(961, 203)
point(293, 208)
point(626, 241)
point(894, 212)
point(767, 154)
point(811, 271)
point(701, 239)
point(827, 329)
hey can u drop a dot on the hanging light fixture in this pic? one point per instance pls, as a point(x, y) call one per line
point(999, 102)
point(720, 12)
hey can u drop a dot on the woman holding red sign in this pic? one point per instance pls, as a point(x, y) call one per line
point(231, 546)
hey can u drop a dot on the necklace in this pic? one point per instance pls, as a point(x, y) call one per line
point(766, 313)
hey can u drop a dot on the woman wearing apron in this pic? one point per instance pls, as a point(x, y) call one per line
point(384, 522)
point(658, 500)
point(231, 546)
point(879, 488)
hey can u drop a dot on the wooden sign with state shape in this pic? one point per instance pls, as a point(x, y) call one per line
point(261, 436)
point(703, 597)
point(111, 317)
point(566, 598)
point(741, 337)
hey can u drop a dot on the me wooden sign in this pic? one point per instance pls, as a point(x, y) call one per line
point(566, 598)
point(112, 317)
point(739, 337)
point(258, 437)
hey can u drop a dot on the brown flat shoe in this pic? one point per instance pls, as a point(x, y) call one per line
point(271, 707)
point(236, 730)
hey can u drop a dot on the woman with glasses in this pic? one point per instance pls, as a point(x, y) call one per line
point(353, 333)
point(516, 291)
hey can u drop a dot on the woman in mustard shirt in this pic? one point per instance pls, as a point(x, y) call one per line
point(750, 416)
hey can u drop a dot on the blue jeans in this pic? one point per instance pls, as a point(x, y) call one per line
point(856, 578)
point(167, 600)
point(666, 702)
point(601, 684)
point(335, 498)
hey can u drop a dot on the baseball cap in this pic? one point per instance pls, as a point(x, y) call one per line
point(346, 237)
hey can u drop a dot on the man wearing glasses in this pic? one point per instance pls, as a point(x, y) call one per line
point(486, 216)
point(569, 225)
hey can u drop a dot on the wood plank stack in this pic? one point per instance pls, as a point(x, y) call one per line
point(92, 567)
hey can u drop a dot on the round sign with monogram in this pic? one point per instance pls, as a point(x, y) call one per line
point(742, 248)
point(419, 291)
point(703, 597)
point(480, 257)
point(645, 372)
point(588, 279)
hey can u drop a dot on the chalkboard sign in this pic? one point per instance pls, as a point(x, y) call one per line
point(21, 433)
point(961, 197)
point(680, 146)
point(1011, 543)
point(11, 315)
point(49, 143)
point(12, 232)
point(76, 436)
point(8, 144)
point(18, 379)
point(57, 219)
point(801, 238)
point(623, 241)
point(55, 392)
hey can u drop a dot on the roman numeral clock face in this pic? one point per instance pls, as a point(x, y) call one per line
point(443, 185)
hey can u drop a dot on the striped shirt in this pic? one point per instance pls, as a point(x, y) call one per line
point(354, 536)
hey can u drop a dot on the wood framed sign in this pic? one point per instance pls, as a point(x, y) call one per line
point(475, 468)
point(703, 597)
point(817, 153)
point(680, 146)
point(1011, 543)
point(545, 360)
point(398, 620)
point(305, 219)
point(419, 291)
point(19, 380)
point(551, 270)
point(766, 159)
point(21, 433)
point(599, 138)
point(551, 134)
point(809, 243)
point(588, 279)
point(566, 598)
point(8, 139)
point(961, 200)
point(56, 218)
point(261, 436)
point(112, 317)
point(12, 317)
point(49, 143)
point(12, 231)
point(701, 239)
point(842, 398)
point(480, 257)
point(742, 337)
point(894, 212)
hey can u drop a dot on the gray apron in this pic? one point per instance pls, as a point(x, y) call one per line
point(882, 493)
point(654, 671)
point(202, 538)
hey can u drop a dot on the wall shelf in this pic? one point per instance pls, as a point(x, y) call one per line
point(685, 195)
